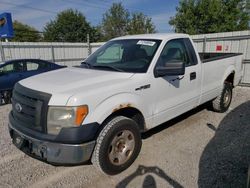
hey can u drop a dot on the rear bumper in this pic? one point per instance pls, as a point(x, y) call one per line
point(52, 152)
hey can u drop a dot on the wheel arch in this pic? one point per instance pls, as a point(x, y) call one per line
point(129, 112)
point(126, 104)
point(230, 78)
point(229, 75)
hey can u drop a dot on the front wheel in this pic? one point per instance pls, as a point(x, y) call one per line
point(7, 97)
point(1, 98)
point(117, 146)
point(223, 101)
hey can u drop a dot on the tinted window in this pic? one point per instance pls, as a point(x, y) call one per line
point(43, 65)
point(191, 51)
point(150, 50)
point(19, 66)
point(7, 68)
point(174, 50)
point(13, 67)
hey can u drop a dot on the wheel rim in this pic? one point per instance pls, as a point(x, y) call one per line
point(121, 147)
point(227, 98)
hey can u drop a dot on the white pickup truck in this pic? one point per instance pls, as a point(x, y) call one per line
point(131, 84)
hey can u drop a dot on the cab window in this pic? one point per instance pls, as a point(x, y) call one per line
point(174, 51)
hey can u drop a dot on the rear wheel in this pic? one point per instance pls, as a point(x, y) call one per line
point(117, 146)
point(223, 101)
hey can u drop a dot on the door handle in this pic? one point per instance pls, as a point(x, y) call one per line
point(192, 75)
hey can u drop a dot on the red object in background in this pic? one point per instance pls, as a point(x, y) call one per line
point(218, 48)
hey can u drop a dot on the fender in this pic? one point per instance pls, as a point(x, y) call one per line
point(114, 103)
point(229, 70)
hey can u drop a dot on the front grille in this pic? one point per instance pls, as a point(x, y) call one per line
point(30, 107)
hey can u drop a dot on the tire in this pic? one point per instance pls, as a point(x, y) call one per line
point(118, 145)
point(223, 101)
point(248, 179)
point(1, 98)
point(7, 97)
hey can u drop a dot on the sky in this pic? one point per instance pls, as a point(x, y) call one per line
point(37, 13)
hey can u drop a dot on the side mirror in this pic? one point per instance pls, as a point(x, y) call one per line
point(172, 68)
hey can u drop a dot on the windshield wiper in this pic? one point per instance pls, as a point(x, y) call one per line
point(88, 65)
point(108, 67)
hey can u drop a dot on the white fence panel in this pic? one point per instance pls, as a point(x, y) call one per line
point(95, 46)
point(230, 42)
point(246, 77)
point(71, 54)
point(62, 53)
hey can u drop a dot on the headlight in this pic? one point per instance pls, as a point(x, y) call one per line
point(59, 117)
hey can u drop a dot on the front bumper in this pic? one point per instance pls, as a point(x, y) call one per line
point(52, 152)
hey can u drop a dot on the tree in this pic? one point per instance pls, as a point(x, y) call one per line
point(210, 16)
point(247, 10)
point(115, 21)
point(248, 7)
point(70, 26)
point(184, 20)
point(25, 33)
point(118, 22)
point(97, 35)
point(235, 15)
point(140, 24)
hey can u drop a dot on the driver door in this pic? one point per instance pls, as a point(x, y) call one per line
point(175, 95)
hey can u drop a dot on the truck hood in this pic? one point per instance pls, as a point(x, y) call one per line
point(69, 81)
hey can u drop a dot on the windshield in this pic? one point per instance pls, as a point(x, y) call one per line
point(130, 55)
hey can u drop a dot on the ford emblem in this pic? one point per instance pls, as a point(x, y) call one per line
point(18, 107)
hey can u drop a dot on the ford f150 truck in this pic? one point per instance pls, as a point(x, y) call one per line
point(98, 110)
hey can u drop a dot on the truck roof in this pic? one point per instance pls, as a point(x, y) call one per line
point(160, 36)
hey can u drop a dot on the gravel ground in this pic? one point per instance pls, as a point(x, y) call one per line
point(198, 149)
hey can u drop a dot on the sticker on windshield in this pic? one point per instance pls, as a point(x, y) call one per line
point(146, 42)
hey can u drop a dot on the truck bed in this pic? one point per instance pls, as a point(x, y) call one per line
point(207, 57)
point(215, 68)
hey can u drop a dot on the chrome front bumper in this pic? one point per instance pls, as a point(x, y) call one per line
point(52, 152)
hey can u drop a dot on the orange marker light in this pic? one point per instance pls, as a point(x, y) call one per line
point(81, 113)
